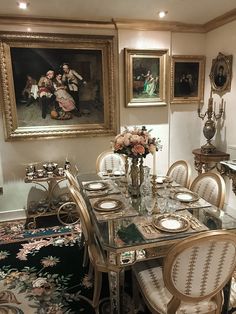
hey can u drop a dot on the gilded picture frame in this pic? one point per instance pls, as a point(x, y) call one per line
point(30, 57)
point(221, 74)
point(145, 77)
point(187, 79)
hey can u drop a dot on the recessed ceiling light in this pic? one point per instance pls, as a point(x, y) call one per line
point(162, 14)
point(23, 5)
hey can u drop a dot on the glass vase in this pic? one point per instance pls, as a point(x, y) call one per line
point(136, 175)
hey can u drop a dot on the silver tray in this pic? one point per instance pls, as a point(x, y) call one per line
point(171, 223)
point(186, 196)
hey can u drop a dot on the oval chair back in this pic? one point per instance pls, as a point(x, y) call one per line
point(211, 187)
point(110, 161)
point(199, 267)
point(180, 172)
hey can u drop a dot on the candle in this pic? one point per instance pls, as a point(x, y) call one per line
point(154, 162)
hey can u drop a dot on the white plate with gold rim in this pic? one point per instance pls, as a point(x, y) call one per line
point(186, 197)
point(95, 186)
point(108, 204)
point(171, 223)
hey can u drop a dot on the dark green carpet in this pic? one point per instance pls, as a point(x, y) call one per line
point(41, 272)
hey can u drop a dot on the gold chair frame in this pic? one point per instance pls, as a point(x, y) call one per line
point(220, 183)
point(96, 256)
point(187, 169)
point(173, 253)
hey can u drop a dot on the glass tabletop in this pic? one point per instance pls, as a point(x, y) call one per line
point(132, 228)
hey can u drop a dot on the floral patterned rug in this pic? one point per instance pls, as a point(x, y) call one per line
point(41, 272)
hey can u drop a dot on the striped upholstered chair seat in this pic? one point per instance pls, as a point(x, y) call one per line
point(211, 187)
point(180, 172)
point(193, 276)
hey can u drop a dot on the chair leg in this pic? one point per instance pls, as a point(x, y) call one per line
point(135, 293)
point(97, 287)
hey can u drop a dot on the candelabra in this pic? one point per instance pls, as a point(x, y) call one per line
point(209, 128)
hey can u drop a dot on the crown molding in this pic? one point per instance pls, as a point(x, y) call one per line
point(144, 25)
point(220, 21)
point(39, 22)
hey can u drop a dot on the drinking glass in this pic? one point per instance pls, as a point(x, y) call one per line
point(149, 204)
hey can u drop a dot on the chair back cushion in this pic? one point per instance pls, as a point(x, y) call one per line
point(211, 187)
point(110, 161)
point(201, 266)
point(180, 172)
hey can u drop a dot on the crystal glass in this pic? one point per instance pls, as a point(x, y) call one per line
point(149, 204)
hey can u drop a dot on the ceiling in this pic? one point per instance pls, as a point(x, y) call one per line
point(184, 11)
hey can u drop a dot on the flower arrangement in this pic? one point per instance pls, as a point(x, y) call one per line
point(136, 142)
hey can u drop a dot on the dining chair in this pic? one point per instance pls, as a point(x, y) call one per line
point(192, 277)
point(180, 172)
point(62, 213)
point(211, 187)
point(110, 161)
point(72, 179)
point(96, 256)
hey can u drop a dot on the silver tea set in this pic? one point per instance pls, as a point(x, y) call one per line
point(49, 170)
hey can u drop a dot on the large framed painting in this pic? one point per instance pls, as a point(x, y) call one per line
point(221, 74)
point(60, 85)
point(145, 77)
point(187, 79)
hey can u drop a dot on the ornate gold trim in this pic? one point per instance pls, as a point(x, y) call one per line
point(224, 62)
point(104, 44)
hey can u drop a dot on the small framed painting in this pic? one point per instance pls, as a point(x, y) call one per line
point(145, 77)
point(187, 79)
point(221, 74)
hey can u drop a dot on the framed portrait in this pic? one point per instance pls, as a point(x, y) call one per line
point(187, 79)
point(221, 74)
point(57, 85)
point(145, 77)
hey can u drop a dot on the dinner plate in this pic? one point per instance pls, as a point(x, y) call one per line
point(96, 186)
point(163, 179)
point(171, 223)
point(186, 197)
point(108, 204)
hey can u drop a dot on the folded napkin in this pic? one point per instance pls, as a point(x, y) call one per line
point(130, 234)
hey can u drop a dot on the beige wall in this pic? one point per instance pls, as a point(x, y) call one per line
point(177, 125)
point(223, 40)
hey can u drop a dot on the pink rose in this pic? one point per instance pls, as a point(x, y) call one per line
point(120, 140)
point(138, 150)
point(117, 147)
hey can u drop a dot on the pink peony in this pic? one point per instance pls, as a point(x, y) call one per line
point(135, 139)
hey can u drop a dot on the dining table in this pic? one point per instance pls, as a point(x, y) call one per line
point(128, 234)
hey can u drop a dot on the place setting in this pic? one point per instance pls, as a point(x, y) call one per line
point(100, 188)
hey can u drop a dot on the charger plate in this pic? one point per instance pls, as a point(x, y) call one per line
point(186, 197)
point(171, 223)
point(107, 205)
point(96, 186)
